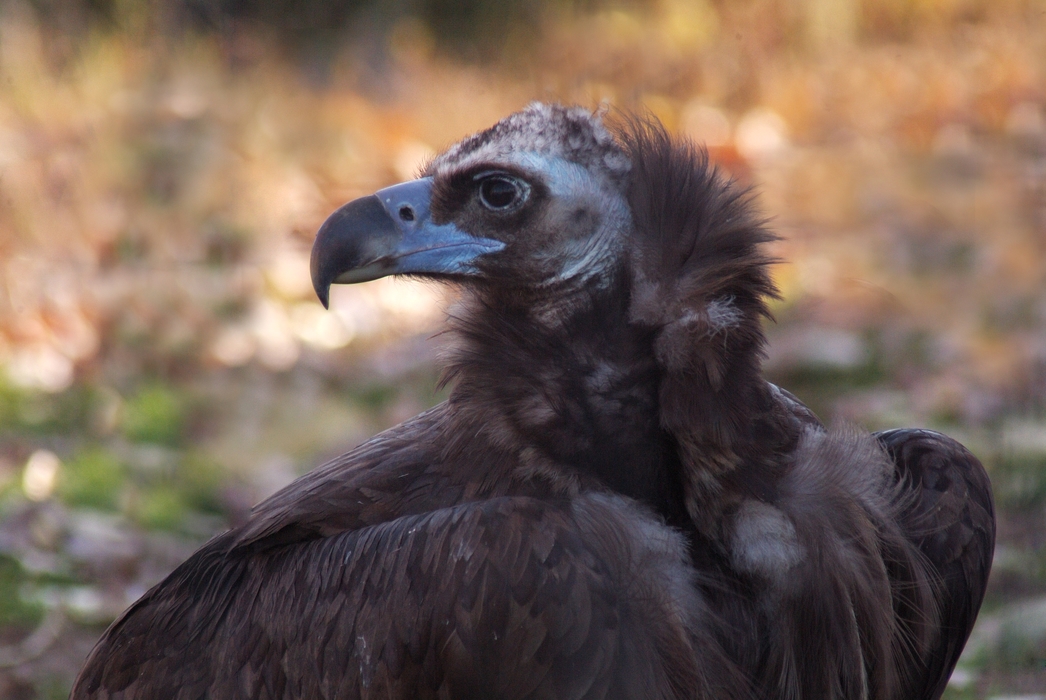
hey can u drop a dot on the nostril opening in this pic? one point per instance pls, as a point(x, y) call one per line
point(406, 213)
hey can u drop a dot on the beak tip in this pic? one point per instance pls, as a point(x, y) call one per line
point(324, 296)
point(319, 269)
point(345, 238)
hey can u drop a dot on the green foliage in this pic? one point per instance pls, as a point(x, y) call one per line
point(376, 397)
point(9, 404)
point(1019, 481)
point(160, 508)
point(13, 609)
point(155, 414)
point(40, 413)
point(199, 481)
point(1018, 649)
point(95, 479)
point(161, 500)
point(967, 693)
point(54, 688)
point(819, 387)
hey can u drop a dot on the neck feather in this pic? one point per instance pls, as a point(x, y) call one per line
point(574, 394)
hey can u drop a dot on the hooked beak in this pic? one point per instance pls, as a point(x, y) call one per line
point(391, 233)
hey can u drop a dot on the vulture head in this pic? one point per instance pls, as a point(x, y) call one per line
point(536, 204)
point(614, 284)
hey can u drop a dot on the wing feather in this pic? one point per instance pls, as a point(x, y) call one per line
point(508, 598)
point(951, 518)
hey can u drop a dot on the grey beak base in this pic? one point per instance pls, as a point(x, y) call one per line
point(391, 232)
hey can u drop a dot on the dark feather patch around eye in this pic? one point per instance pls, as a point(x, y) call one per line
point(502, 193)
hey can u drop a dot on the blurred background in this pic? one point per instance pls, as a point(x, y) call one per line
point(164, 165)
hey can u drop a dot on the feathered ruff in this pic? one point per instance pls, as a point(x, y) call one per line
point(838, 577)
point(700, 277)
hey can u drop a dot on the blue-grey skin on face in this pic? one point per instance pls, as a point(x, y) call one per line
point(391, 232)
point(557, 169)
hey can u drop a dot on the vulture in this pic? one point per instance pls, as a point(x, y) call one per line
point(612, 502)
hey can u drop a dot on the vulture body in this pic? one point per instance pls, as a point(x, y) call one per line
point(613, 503)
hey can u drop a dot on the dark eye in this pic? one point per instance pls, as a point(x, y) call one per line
point(501, 193)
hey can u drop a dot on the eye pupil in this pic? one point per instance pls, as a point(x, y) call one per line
point(499, 192)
